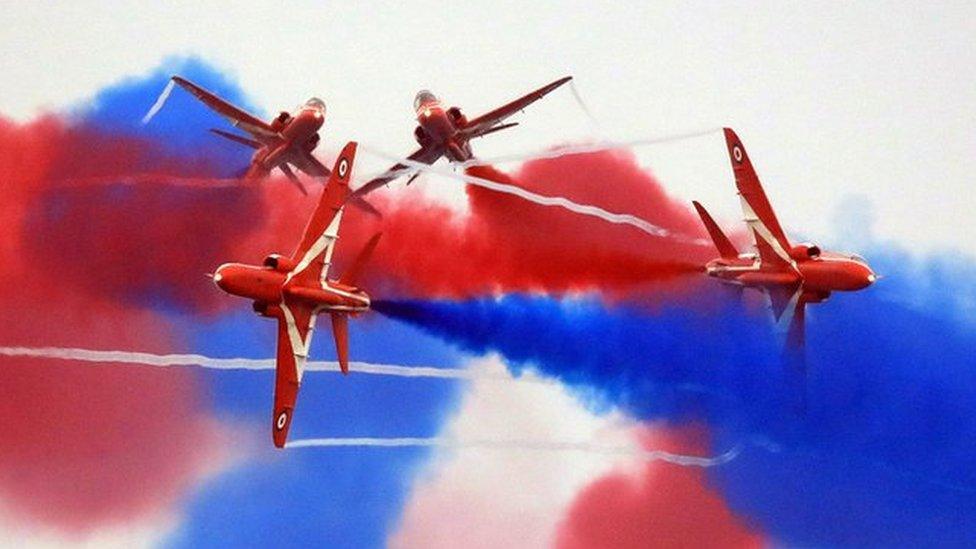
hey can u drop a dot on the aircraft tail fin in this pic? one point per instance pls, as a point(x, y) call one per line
point(340, 331)
point(239, 139)
point(352, 275)
point(337, 188)
point(725, 247)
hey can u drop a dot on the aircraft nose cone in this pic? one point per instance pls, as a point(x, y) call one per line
point(220, 277)
point(866, 277)
point(317, 115)
point(309, 120)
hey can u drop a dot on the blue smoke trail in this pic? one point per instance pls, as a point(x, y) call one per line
point(180, 129)
point(882, 453)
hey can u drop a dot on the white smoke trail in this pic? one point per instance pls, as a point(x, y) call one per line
point(556, 152)
point(586, 110)
point(534, 445)
point(557, 201)
point(160, 101)
point(587, 148)
point(183, 360)
point(177, 360)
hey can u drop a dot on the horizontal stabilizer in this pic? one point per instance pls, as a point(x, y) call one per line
point(340, 331)
point(725, 247)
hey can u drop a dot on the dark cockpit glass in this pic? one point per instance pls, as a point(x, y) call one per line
point(423, 96)
point(316, 103)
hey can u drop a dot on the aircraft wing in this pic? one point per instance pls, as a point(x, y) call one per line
point(486, 122)
point(789, 312)
point(296, 324)
point(311, 165)
point(758, 214)
point(239, 118)
point(314, 253)
point(426, 155)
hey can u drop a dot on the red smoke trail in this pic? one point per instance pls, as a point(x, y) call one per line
point(508, 244)
point(85, 262)
point(662, 506)
point(151, 244)
point(142, 243)
point(88, 445)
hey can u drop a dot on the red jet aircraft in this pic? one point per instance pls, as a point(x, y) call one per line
point(287, 141)
point(791, 276)
point(447, 132)
point(295, 289)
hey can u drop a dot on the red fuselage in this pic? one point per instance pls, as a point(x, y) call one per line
point(826, 272)
point(297, 132)
point(441, 126)
point(268, 286)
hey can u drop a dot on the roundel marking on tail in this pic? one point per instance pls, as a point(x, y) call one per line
point(343, 167)
point(737, 153)
point(282, 420)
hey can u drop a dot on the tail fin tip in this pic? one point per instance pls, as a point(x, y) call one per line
point(342, 171)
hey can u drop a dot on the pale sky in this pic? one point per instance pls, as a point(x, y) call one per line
point(830, 100)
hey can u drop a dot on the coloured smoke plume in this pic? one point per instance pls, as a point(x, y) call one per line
point(140, 213)
point(658, 506)
point(890, 395)
point(145, 243)
point(89, 446)
point(107, 185)
point(85, 261)
point(508, 244)
point(78, 441)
